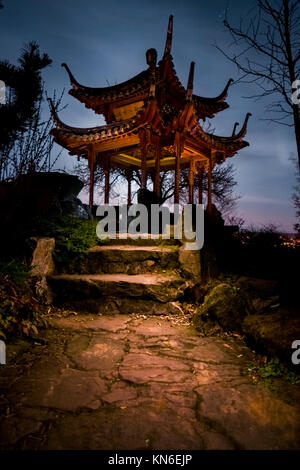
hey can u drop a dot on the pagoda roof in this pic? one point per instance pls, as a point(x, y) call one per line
point(155, 101)
point(98, 98)
point(74, 138)
point(113, 135)
point(137, 88)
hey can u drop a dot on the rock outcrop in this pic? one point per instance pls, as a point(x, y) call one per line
point(42, 265)
point(41, 194)
point(225, 305)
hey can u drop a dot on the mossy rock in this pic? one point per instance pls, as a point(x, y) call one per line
point(254, 287)
point(225, 305)
point(273, 333)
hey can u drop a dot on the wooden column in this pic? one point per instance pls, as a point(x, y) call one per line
point(91, 163)
point(200, 185)
point(191, 182)
point(144, 142)
point(106, 182)
point(209, 181)
point(179, 144)
point(157, 168)
point(128, 174)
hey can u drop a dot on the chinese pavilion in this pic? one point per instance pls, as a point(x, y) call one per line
point(152, 124)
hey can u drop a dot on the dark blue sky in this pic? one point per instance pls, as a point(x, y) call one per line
point(105, 42)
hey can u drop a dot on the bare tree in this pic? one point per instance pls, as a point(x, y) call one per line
point(223, 188)
point(32, 150)
point(268, 55)
point(296, 197)
point(223, 178)
point(115, 176)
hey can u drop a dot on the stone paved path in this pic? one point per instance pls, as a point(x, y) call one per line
point(134, 382)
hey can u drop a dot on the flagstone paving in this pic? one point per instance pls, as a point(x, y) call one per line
point(138, 382)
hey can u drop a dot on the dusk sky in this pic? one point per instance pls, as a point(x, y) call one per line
point(105, 42)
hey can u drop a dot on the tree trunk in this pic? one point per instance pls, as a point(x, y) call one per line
point(292, 73)
point(297, 130)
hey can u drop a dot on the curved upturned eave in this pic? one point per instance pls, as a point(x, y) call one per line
point(62, 132)
point(217, 99)
point(208, 107)
point(99, 92)
point(230, 144)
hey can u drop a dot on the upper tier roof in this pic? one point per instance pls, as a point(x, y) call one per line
point(169, 90)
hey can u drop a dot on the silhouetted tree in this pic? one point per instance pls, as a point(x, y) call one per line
point(296, 200)
point(268, 55)
point(24, 90)
point(224, 184)
point(32, 149)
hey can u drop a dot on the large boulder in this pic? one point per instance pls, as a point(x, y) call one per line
point(224, 305)
point(41, 194)
point(146, 197)
point(42, 265)
point(273, 333)
point(262, 294)
point(190, 263)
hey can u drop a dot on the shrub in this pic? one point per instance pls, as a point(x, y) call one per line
point(19, 311)
point(73, 238)
point(272, 370)
point(15, 270)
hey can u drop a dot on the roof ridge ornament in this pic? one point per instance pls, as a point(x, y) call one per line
point(234, 128)
point(152, 84)
point(168, 45)
point(189, 90)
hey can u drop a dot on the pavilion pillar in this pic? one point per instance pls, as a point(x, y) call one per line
point(200, 185)
point(179, 144)
point(144, 142)
point(106, 181)
point(157, 168)
point(128, 174)
point(91, 163)
point(209, 181)
point(191, 182)
point(144, 171)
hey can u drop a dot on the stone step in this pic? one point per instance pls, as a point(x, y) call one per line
point(146, 240)
point(129, 259)
point(92, 292)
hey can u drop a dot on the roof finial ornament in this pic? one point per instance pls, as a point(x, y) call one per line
point(189, 90)
point(168, 45)
point(151, 57)
point(234, 128)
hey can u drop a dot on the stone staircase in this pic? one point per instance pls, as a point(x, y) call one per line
point(124, 276)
